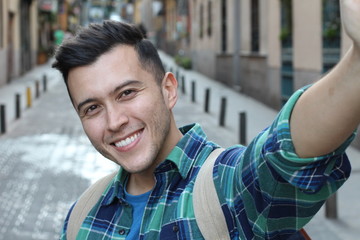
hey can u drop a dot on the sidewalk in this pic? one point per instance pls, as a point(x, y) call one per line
point(46, 162)
point(20, 86)
point(45, 151)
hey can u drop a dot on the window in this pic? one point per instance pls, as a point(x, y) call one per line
point(331, 34)
point(286, 23)
point(331, 23)
point(209, 27)
point(1, 25)
point(201, 20)
point(223, 26)
point(287, 68)
point(255, 28)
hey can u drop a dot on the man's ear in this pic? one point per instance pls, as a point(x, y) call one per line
point(169, 88)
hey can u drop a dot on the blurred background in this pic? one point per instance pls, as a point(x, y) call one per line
point(279, 45)
point(255, 52)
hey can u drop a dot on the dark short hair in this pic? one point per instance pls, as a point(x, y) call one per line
point(96, 39)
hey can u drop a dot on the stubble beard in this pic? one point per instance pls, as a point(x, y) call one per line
point(161, 124)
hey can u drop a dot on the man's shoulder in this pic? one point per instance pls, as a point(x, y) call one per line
point(86, 202)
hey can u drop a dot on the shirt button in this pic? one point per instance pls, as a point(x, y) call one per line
point(175, 228)
point(122, 202)
point(121, 231)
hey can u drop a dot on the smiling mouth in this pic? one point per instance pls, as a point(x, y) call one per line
point(127, 141)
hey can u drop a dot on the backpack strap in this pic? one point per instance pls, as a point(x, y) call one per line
point(304, 234)
point(208, 213)
point(206, 203)
point(85, 203)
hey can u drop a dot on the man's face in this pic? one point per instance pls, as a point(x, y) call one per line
point(125, 113)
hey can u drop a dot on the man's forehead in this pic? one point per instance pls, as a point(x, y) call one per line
point(121, 56)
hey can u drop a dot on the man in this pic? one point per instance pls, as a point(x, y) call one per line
point(268, 190)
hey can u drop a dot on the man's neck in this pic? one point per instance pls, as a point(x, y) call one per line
point(140, 183)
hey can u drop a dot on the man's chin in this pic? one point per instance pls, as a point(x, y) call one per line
point(135, 169)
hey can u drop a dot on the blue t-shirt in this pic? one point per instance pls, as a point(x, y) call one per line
point(138, 202)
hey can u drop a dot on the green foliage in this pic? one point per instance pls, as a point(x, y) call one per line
point(332, 30)
point(284, 34)
point(183, 61)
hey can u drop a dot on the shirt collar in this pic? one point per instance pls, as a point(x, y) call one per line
point(188, 148)
point(116, 188)
point(183, 156)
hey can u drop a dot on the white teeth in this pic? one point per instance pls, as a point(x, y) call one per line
point(127, 141)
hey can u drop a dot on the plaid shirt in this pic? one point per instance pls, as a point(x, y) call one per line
point(266, 191)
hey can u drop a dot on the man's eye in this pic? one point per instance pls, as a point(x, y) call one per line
point(127, 93)
point(91, 109)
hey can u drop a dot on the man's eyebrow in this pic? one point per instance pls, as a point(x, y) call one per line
point(124, 84)
point(79, 106)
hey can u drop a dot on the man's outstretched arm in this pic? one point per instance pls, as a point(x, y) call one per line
point(329, 111)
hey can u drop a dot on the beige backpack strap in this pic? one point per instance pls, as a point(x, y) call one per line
point(85, 203)
point(208, 213)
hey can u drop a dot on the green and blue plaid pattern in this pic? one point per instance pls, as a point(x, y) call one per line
point(265, 190)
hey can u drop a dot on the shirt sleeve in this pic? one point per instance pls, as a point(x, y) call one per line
point(267, 189)
point(309, 175)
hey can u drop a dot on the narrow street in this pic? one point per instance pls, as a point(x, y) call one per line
point(46, 160)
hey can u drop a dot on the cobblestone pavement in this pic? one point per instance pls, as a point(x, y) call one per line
point(46, 162)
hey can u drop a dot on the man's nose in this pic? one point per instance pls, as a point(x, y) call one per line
point(116, 118)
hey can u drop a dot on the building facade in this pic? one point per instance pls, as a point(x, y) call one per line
point(18, 38)
point(281, 45)
point(264, 48)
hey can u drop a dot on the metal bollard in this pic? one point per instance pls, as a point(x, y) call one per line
point(193, 91)
point(44, 83)
point(37, 89)
point(17, 106)
point(183, 90)
point(242, 128)
point(28, 97)
point(2, 119)
point(222, 112)
point(331, 207)
point(207, 100)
